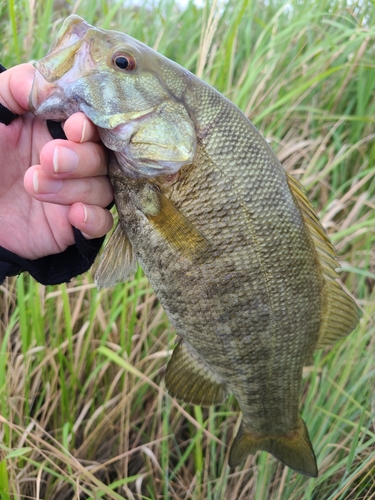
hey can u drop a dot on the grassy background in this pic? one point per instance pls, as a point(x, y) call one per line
point(84, 411)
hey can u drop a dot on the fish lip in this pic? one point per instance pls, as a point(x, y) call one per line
point(80, 26)
point(46, 99)
point(41, 91)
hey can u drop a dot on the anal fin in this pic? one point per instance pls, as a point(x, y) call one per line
point(190, 380)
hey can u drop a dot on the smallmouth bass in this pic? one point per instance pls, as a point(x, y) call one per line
point(230, 243)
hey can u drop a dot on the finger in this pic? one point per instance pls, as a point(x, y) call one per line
point(65, 159)
point(15, 87)
point(89, 190)
point(91, 220)
point(78, 128)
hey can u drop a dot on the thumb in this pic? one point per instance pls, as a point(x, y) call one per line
point(15, 87)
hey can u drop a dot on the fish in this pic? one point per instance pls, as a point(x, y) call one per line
point(228, 239)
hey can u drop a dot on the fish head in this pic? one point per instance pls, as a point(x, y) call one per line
point(131, 92)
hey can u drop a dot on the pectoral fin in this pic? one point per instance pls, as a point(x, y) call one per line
point(117, 260)
point(178, 231)
point(189, 379)
point(293, 449)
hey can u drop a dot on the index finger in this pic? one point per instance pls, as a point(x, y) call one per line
point(78, 128)
point(68, 159)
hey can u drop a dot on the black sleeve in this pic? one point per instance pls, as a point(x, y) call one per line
point(52, 269)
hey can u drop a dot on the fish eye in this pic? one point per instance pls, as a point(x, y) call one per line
point(124, 61)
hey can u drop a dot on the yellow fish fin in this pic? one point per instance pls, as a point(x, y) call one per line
point(117, 260)
point(173, 225)
point(293, 449)
point(190, 380)
point(340, 313)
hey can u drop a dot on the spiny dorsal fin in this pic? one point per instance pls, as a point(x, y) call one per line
point(340, 314)
point(172, 224)
point(190, 380)
point(117, 261)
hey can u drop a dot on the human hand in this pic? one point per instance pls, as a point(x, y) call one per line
point(38, 205)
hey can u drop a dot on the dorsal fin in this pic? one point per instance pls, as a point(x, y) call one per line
point(340, 313)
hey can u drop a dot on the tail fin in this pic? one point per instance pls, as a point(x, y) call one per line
point(293, 449)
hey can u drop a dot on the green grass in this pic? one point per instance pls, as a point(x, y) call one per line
point(84, 410)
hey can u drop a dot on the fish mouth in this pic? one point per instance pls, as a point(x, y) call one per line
point(48, 99)
point(52, 95)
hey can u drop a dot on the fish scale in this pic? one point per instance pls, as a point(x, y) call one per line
point(228, 240)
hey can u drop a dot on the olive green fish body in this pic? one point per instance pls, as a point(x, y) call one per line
point(230, 243)
point(257, 296)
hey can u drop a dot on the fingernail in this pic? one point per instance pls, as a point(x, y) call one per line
point(45, 185)
point(88, 214)
point(83, 136)
point(64, 160)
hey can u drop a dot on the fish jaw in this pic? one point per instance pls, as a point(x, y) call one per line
point(48, 100)
point(158, 143)
point(58, 90)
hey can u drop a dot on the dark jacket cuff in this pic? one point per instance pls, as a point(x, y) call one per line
point(53, 269)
